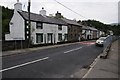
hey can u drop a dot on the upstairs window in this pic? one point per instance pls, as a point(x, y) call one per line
point(59, 27)
point(39, 25)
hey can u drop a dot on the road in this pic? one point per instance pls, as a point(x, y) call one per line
point(58, 62)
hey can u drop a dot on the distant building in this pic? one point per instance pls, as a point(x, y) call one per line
point(111, 32)
point(44, 29)
point(89, 33)
point(94, 33)
point(85, 33)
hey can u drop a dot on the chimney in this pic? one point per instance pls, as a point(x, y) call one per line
point(51, 15)
point(58, 15)
point(43, 12)
point(74, 19)
point(17, 6)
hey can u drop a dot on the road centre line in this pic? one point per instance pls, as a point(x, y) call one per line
point(72, 50)
point(24, 64)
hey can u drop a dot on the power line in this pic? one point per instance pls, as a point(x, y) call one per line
point(70, 9)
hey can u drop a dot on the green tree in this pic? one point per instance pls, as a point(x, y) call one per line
point(6, 17)
point(103, 27)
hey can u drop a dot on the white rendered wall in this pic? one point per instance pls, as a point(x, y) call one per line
point(63, 31)
point(33, 32)
point(91, 35)
point(17, 28)
point(87, 33)
point(47, 28)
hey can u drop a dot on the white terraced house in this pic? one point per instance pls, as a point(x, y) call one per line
point(44, 29)
point(90, 33)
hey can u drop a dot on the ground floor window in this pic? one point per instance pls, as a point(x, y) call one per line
point(60, 36)
point(39, 37)
point(66, 36)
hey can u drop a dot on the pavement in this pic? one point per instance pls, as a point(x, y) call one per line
point(21, 51)
point(106, 68)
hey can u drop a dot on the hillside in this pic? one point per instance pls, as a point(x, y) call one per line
point(6, 16)
point(103, 27)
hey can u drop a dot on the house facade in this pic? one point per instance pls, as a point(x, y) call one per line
point(74, 30)
point(44, 29)
point(85, 33)
point(94, 33)
point(89, 33)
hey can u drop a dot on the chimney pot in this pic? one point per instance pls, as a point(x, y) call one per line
point(42, 8)
point(43, 12)
point(17, 0)
point(17, 6)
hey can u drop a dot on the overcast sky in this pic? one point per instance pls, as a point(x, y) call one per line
point(105, 11)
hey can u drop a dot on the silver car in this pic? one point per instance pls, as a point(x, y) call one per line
point(100, 41)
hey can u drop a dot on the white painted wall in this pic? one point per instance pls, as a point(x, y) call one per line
point(91, 33)
point(98, 33)
point(87, 33)
point(50, 28)
point(17, 28)
point(47, 28)
point(63, 31)
point(33, 32)
point(17, 31)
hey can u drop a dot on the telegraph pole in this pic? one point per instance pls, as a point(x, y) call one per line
point(29, 23)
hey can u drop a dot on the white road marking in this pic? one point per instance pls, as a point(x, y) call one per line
point(24, 64)
point(72, 50)
point(91, 67)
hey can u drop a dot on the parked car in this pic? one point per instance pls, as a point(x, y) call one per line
point(100, 41)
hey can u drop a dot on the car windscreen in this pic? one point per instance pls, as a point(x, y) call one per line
point(101, 38)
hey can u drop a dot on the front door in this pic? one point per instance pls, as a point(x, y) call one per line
point(49, 38)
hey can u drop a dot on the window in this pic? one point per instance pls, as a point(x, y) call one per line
point(39, 25)
point(59, 27)
point(11, 23)
point(60, 37)
point(39, 37)
point(75, 30)
point(65, 36)
point(75, 35)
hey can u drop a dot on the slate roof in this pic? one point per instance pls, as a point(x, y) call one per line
point(85, 27)
point(89, 28)
point(68, 21)
point(92, 28)
point(40, 18)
